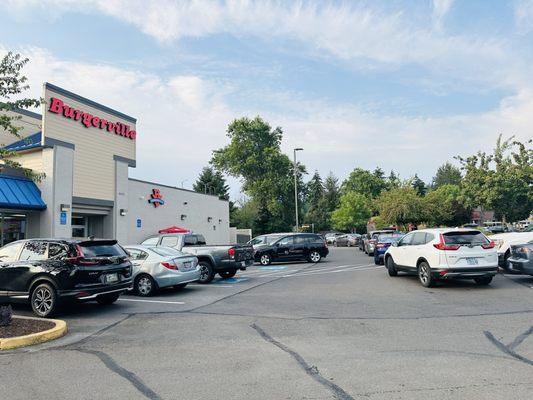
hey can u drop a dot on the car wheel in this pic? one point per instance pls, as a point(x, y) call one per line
point(227, 274)
point(506, 263)
point(391, 268)
point(145, 285)
point(484, 280)
point(424, 275)
point(265, 259)
point(314, 256)
point(377, 261)
point(44, 300)
point(107, 299)
point(207, 273)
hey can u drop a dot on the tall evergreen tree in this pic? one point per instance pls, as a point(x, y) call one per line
point(212, 182)
point(447, 174)
point(331, 192)
point(419, 185)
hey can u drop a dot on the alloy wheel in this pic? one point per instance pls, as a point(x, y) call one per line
point(423, 273)
point(265, 259)
point(144, 285)
point(204, 272)
point(315, 256)
point(43, 300)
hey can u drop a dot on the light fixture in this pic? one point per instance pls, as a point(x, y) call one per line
point(219, 221)
point(123, 212)
point(209, 219)
point(185, 203)
point(64, 207)
point(183, 216)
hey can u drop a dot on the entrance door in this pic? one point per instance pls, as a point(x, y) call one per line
point(12, 227)
point(84, 226)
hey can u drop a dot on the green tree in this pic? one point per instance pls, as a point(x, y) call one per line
point(369, 184)
point(443, 206)
point(393, 181)
point(400, 206)
point(331, 192)
point(244, 214)
point(447, 174)
point(501, 181)
point(317, 212)
point(419, 185)
point(254, 156)
point(353, 212)
point(212, 182)
point(12, 84)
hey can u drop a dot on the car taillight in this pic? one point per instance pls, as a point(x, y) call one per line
point(443, 246)
point(79, 259)
point(380, 245)
point(231, 253)
point(489, 245)
point(169, 265)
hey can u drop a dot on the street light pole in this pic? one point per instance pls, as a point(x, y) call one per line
point(296, 186)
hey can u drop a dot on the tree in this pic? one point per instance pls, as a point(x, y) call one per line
point(369, 184)
point(447, 174)
point(501, 181)
point(393, 181)
point(12, 84)
point(400, 206)
point(442, 206)
point(244, 214)
point(254, 156)
point(353, 212)
point(317, 210)
point(419, 185)
point(331, 192)
point(212, 182)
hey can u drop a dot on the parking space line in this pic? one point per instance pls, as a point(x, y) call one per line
point(153, 301)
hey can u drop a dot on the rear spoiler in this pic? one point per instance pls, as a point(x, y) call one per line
point(102, 242)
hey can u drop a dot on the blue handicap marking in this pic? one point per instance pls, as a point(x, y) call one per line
point(273, 268)
point(230, 280)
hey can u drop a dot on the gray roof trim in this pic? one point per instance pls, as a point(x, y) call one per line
point(91, 103)
point(28, 113)
point(129, 161)
point(175, 187)
point(92, 202)
point(51, 142)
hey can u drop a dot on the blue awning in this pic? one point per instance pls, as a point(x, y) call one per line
point(30, 142)
point(20, 194)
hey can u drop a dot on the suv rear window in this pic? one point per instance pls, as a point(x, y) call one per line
point(101, 250)
point(472, 237)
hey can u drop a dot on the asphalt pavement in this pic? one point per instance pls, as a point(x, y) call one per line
point(339, 329)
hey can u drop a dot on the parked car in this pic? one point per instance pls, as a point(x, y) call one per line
point(503, 245)
point(370, 241)
point(383, 242)
point(155, 268)
point(441, 254)
point(521, 259)
point(225, 259)
point(266, 239)
point(331, 237)
point(295, 246)
point(348, 240)
point(45, 272)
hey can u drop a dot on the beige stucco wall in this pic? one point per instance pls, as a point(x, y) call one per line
point(31, 160)
point(29, 125)
point(94, 166)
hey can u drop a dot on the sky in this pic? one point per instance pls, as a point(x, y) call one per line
point(403, 85)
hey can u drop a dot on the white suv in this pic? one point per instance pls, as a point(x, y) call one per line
point(447, 253)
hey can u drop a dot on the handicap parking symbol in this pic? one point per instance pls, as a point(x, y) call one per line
point(230, 280)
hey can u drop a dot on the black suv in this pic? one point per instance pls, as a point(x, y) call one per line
point(45, 271)
point(295, 246)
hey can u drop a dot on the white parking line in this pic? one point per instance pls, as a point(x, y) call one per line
point(153, 301)
point(334, 272)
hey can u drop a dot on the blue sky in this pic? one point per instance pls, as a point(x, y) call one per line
point(405, 85)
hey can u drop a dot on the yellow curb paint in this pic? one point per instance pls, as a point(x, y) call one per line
point(35, 338)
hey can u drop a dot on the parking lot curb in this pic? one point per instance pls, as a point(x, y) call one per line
point(59, 330)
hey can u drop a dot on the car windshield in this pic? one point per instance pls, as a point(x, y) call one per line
point(465, 238)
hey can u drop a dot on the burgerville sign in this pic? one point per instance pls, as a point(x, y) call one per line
point(57, 106)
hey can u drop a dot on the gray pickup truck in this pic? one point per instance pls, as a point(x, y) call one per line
point(222, 259)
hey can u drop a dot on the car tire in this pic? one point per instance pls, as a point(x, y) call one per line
point(43, 300)
point(424, 274)
point(314, 257)
point(506, 264)
point(145, 285)
point(377, 261)
point(391, 267)
point(227, 274)
point(207, 273)
point(107, 299)
point(483, 281)
point(265, 259)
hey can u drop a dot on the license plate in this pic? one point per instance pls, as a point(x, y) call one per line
point(471, 261)
point(111, 278)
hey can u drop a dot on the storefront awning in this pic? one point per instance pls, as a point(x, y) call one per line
point(20, 194)
point(174, 229)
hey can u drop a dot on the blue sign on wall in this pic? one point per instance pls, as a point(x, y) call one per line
point(63, 218)
point(139, 222)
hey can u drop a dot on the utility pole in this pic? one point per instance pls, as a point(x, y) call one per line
point(296, 187)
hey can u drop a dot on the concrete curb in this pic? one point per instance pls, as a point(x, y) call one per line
point(35, 338)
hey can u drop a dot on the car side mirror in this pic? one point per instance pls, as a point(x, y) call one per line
point(395, 244)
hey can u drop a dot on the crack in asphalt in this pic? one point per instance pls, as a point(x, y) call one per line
point(113, 366)
point(311, 370)
point(509, 349)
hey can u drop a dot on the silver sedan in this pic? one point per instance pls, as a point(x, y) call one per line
point(159, 267)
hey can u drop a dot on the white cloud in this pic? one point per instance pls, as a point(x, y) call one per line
point(524, 16)
point(440, 9)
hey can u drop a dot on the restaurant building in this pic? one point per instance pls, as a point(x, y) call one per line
point(85, 151)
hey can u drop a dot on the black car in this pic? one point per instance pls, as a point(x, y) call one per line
point(48, 271)
point(296, 246)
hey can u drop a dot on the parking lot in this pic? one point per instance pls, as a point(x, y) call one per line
point(339, 329)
